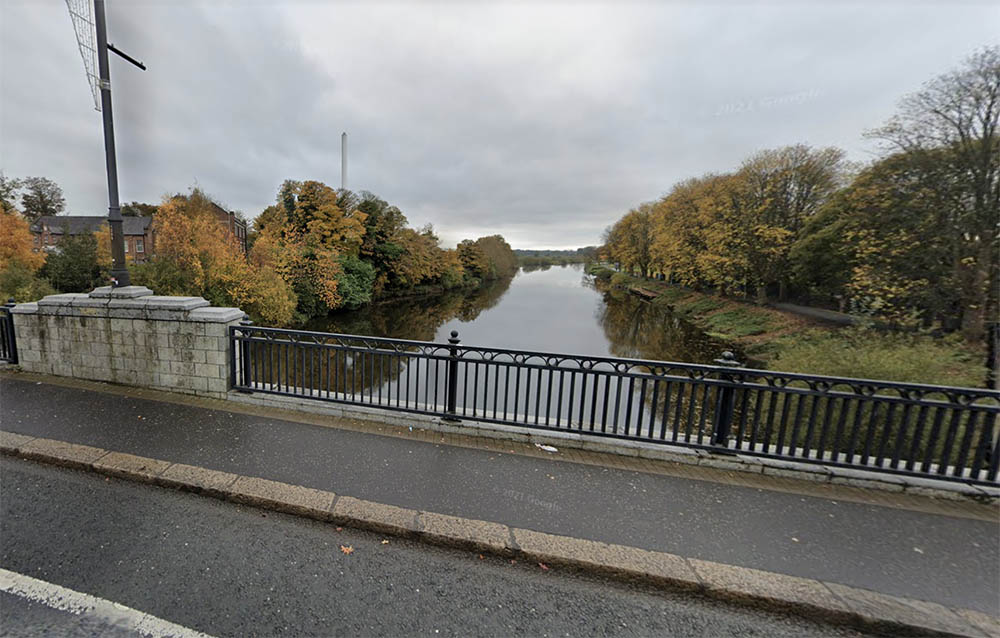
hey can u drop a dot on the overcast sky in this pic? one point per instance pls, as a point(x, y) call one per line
point(542, 123)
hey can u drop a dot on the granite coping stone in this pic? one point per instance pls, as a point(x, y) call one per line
point(196, 479)
point(130, 466)
point(282, 497)
point(375, 517)
point(214, 314)
point(745, 583)
point(25, 308)
point(63, 299)
point(877, 609)
point(124, 292)
point(452, 530)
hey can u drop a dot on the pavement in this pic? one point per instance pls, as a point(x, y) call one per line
point(227, 570)
point(895, 544)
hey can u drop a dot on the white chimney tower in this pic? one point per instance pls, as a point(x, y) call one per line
point(343, 160)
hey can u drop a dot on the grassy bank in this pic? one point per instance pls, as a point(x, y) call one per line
point(780, 340)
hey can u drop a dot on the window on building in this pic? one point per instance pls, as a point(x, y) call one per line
point(138, 246)
point(126, 246)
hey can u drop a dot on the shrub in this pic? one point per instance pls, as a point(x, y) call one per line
point(619, 279)
point(21, 284)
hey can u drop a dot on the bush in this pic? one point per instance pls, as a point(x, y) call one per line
point(599, 271)
point(164, 277)
point(620, 279)
point(21, 284)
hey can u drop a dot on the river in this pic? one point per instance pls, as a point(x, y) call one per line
point(558, 309)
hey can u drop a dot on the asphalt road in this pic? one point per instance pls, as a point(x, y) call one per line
point(224, 569)
point(954, 561)
point(24, 618)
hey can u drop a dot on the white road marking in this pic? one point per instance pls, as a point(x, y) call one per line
point(81, 604)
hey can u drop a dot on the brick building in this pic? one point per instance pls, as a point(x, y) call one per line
point(138, 231)
point(236, 226)
point(140, 240)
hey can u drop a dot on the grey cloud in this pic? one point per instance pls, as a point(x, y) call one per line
point(541, 123)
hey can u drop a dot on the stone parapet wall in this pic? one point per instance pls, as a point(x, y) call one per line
point(129, 336)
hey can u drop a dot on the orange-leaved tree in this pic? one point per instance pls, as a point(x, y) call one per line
point(195, 255)
point(18, 262)
point(16, 242)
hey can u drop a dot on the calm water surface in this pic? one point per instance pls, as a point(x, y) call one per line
point(559, 309)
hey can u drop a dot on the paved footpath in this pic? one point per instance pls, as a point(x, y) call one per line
point(891, 544)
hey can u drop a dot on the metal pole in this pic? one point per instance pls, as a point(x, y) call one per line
point(451, 400)
point(119, 271)
point(725, 400)
point(343, 160)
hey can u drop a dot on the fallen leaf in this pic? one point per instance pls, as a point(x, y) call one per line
point(385, 541)
point(481, 557)
point(543, 566)
point(513, 562)
point(347, 550)
point(340, 529)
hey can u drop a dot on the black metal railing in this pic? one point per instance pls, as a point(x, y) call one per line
point(8, 342)
point(943, 432)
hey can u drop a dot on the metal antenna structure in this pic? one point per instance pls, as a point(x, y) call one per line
point(92, 38)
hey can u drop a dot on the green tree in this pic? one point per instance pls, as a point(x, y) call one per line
point(41, 196)
point(355, 282)
point(139, 209)
point(953, 121)
point(74, 267)
point(8, 193)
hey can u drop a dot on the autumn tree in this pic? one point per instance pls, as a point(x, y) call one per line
point(19, 263)
point(679, 231)
point(784, 189)
point(952, 122)
point(41, 196)
point(194, 258)
point(630, 240)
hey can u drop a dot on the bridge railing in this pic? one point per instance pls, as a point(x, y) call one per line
point(8, 343)
point(924, 430)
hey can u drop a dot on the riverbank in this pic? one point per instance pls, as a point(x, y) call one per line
point(782, 340)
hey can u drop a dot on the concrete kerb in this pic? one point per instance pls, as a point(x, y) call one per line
point(832, 602)
point(852, 477)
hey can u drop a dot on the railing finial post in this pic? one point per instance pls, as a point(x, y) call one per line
point(8, 327)
point(725, 401)
point(245, 379)
point(452, 384)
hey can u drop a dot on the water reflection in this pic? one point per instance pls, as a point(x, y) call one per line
point(638, 329)
point(556, 309)
point(548, 309)
point(415, 318)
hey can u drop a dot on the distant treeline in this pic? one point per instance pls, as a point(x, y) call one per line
point(534, 258)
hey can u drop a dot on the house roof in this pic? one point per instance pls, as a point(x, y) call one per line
point(77, 224)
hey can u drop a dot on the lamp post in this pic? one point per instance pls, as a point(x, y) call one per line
point(119, 271)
